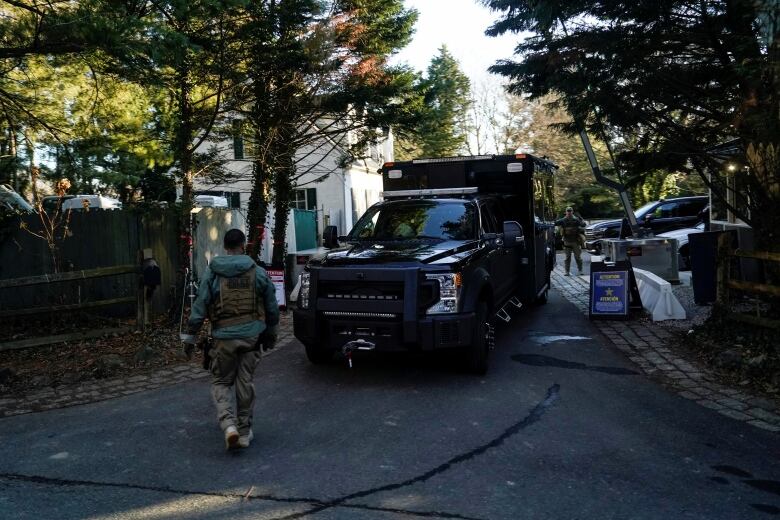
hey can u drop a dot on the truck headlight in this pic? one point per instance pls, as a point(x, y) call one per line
point(449, 293)
point(303, 294)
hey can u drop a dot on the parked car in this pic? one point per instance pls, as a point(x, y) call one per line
point(683, 247)
point(659, 216)
point(12, 201)
point(91, 202)
point(49, 204)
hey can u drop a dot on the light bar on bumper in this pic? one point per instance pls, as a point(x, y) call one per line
point(449, 293)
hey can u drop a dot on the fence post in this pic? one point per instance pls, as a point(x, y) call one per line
point(141, 313)
point(724, 264)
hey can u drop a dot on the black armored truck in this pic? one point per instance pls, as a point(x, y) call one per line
point(456, 243)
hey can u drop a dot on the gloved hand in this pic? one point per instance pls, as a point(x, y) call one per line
point(188, 345)
point(269, 338)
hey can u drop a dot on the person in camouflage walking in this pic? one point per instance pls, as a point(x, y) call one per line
point(239, 300)
point(572, 230)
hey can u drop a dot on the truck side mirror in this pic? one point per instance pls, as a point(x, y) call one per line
point(513, 234)
point(330, 237)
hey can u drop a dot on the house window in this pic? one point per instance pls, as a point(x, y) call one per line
point(305, 199)
point(243, 140)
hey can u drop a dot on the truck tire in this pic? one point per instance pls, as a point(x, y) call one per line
point(476, 355)
point(317, 355)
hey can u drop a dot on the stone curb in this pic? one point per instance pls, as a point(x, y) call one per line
point(647, 347)
point(64, 396)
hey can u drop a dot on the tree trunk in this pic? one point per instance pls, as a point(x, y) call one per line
point(32, 169)
point(184, 152)
point(258, 208)
point(283, 194)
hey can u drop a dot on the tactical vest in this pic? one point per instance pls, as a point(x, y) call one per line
point(571, 229)
point(237, 303)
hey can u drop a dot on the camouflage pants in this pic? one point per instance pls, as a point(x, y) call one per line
point(569, 248)
point(233, 363)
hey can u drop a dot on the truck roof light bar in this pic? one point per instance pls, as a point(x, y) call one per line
point(453, 159)
point(430, 193)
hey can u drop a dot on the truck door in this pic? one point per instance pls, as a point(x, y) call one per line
point(543, 230)
point(504, 262)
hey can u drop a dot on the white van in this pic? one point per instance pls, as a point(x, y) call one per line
point(210, 201)
point(91, 202)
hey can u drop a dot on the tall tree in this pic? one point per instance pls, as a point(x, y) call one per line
point(193, 52)
point(680, 77)
point(444, 126)
point(320, 83)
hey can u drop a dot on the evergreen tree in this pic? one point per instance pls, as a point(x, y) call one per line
point(444, 125)
point(319, 81)
point(679, 77)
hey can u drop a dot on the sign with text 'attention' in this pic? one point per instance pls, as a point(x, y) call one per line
point(609, 293)
point(277, 277)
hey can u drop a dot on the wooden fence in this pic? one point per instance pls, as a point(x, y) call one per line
point(727, 284)
point(74, 276)
point(98, 239)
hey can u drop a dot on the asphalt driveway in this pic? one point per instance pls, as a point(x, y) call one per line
point(561, 427)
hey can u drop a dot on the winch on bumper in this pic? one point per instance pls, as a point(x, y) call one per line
point(384, 306)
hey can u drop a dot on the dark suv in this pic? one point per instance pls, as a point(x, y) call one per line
point(659, 216)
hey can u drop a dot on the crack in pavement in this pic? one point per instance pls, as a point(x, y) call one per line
point(321, 505)
point(533, 416)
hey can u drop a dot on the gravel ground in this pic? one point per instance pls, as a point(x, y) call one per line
point(696, 314)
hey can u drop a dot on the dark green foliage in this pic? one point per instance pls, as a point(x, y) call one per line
point(443, 127)
point(677, 77)
point(319, 79)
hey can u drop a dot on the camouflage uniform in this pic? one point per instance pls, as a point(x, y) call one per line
point(572, 229)
point(240, 301)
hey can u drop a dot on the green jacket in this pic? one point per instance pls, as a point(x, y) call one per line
point(208, 291)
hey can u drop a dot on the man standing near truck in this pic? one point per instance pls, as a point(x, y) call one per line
point(572, 230)
point(240, 302)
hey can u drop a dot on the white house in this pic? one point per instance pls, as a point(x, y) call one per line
point(335, 195)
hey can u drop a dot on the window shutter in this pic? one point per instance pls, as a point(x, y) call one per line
point(238, 139)
point(311, 198)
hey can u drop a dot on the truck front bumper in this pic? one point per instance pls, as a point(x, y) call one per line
point(428, 333)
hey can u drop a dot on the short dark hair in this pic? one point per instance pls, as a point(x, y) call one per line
point(234, 239)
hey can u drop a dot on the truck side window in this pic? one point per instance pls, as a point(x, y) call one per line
point(488, 220)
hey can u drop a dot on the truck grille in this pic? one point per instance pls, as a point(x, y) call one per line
point(448, 333)
point(592, 234)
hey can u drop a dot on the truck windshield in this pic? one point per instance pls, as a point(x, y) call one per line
point(417, 219)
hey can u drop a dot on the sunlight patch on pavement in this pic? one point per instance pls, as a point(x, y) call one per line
point(60, 456)
point(541, 338)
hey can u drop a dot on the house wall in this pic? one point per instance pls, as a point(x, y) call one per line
point(343, 194)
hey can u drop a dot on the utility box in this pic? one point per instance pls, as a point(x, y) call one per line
point(657, 255)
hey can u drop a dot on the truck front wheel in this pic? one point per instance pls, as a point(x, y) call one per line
point(476, 355)
point(317, 355)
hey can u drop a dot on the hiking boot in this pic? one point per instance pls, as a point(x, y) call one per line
point(231, 438)
point(245, 440)
point(566, 273)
